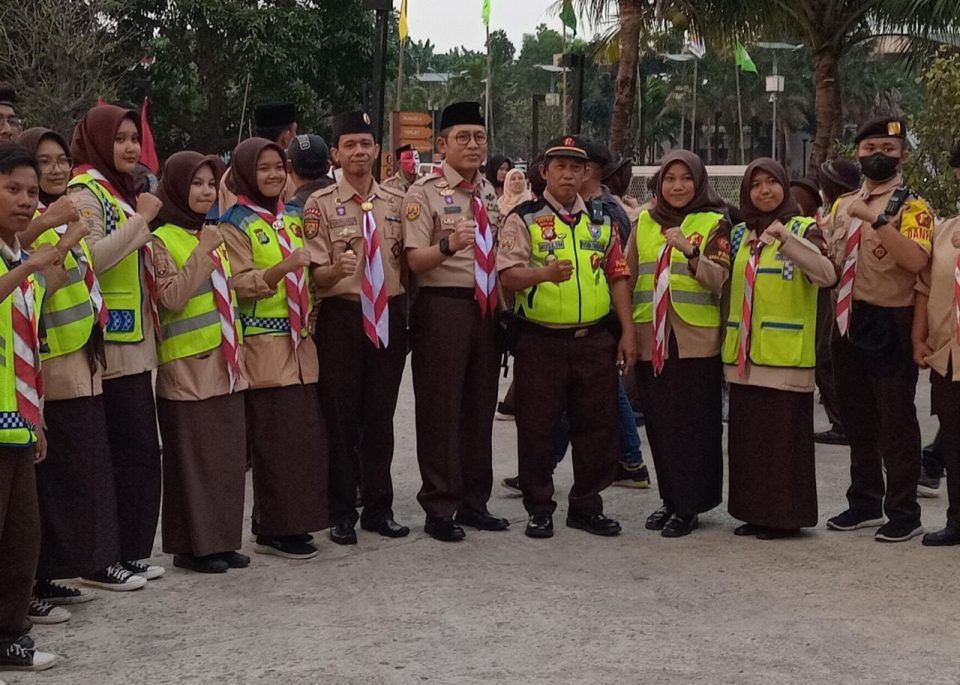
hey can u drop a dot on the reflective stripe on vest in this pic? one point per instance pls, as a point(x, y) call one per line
point(195, 329)
point(693, 303)
point(68, 315)
point(266, 316)
point(121, 285)
point(783, 330)
point(585, 297)
point(14, 431)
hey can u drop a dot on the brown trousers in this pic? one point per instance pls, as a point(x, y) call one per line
point(880, 418)
point(19, 539)
point(554, 373)
point(358, 395)
point(455, 366)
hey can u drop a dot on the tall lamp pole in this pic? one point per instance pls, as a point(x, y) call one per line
point(774, 84)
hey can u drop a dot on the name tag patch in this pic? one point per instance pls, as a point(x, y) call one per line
point(550, 245)
point(592, 245)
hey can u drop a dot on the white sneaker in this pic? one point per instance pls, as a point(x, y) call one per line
point(46, 614)
point(116, 579)
point(144, 569)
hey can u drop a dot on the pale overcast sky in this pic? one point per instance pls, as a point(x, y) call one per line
point(455, 23)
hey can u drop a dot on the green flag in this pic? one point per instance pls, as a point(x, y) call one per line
point(743, 59)
point(568, 16)
point(485, 13)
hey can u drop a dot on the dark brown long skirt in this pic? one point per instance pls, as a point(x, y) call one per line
point(683, 416)
point(78, 507)
point(773, 476)
point(288, 446)
point(204, 474)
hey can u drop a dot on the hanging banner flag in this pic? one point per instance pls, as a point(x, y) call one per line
point(695, 45)
point(744, 61)
point(485, 13)
point(568, 16)
point(403, 21)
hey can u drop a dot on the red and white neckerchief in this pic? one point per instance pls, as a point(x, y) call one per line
point(298, 304)
point(746, 311)
point(89, 277)
point(373, 293)
point(847, 276)
point(26, 347)
point(484, 254)
point(146, 252)
point(661, 302)
point(228, 321)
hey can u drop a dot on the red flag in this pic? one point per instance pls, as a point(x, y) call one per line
point(148, 151)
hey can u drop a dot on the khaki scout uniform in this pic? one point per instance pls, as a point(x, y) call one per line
point(455, 358)
point(359, 383)
point(873, 367)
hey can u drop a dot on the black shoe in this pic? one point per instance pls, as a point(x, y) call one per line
point(235, 559)
point(343, 533)
point(852, 520)
point(54, 593)
point(658, 519)
point(834, 436)
point(598, 524)
point(898, 531)
point(778, 533)
point(512, 484)
point(388, 528)
point(21, 655)
point(503, 413)
point(443, 529)
point(636, 477)
point(304, 538)
point(539, 526)
point(678, 526)
point(927, 485)
point(747, 529)
point(286, 546)
point(481, 520)
point(211, 563)
point(944, 537)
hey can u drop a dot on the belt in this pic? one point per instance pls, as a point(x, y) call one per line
point(458, 293)
point(580, 332)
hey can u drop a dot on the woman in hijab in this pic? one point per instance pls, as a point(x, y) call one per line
point(779, 264)
point(199, 381)
point(271, 275)
point(75, 483)
point(515, 191)
point(105, 150)
point(681, 251)
point(496, 172)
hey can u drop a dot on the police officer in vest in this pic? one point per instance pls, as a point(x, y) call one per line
point(567, 270)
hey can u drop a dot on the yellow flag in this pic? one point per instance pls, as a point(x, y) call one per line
point(403, 20)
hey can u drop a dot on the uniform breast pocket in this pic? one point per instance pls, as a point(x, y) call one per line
point(345, 239)
point(393, 237)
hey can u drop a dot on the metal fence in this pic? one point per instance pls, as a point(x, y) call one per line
point(724, 179)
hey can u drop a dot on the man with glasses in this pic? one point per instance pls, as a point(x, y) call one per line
point(450, 221)
point(9, 123)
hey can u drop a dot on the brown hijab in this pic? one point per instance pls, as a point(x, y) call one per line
point(31, 139)
point(93, 144)
point(705, 198)
point(243, 171)
point(174, 190)
point(756, 220)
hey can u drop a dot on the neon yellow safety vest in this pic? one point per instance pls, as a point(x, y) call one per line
point(14, 429)
point(122, 290)
point(784, 317)
point(196, 328)
point(583, 299)
point(268, 316)
point(68, 315)
point(693, 303)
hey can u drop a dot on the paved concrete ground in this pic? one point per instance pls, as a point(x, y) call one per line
point(710, 608)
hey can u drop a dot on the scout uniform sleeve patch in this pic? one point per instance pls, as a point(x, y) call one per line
point(412, 211)
point(916, 223)
point(311, 227)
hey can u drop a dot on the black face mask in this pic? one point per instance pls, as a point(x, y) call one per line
point(878, 166)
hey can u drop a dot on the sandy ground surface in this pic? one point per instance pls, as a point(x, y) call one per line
point(499, 607)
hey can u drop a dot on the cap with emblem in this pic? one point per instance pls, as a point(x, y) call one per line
point(566, 146)
point(461, 114)
point(8, 94)
point(309, 156)
point(352, 122)
point(274, 115)
point(882, 127)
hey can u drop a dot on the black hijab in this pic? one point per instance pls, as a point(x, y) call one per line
point(788, 208)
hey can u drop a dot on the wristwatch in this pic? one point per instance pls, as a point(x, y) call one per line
point(693, 254)
point(884, 218)
point(445, 248)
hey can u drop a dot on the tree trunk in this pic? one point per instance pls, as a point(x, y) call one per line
point(829, 108)
point(631, 21)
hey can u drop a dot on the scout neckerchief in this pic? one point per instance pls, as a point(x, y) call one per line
point(847, 277)
point(746, 312)
point(661, 302)
point(89, 277)
point(484, 254)
point(373, 294)
point(149, 275)
point(26, 345)
point(221, 295)
point(298, 304)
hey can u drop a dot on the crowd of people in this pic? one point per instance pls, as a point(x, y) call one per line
point(261, 316)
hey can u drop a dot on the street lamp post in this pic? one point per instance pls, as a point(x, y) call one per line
point(775, 85)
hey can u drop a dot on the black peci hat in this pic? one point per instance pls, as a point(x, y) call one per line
point(8, 94)
point(567, 146)
point(274, 115)
point(346, 123)
point(882, 127)
point(461, 113)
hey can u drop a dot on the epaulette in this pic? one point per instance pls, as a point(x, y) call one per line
point(426, 179)
point(392, 191)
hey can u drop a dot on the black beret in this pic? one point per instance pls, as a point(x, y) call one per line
point(346, 123)
point(274, 114)
point(566, 146)
point(309, 156)
point(842, 173)
point(461, 113)
point(882, 127)
point(8, 93)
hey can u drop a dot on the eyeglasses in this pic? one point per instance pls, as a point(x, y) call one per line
point(12, 121)
point(49, 164)
point(463, 137)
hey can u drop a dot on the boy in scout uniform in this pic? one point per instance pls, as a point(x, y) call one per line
point(566, 267)
point(880, 239)
point(450, 220)
point(355, 238)
point(408, 165)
